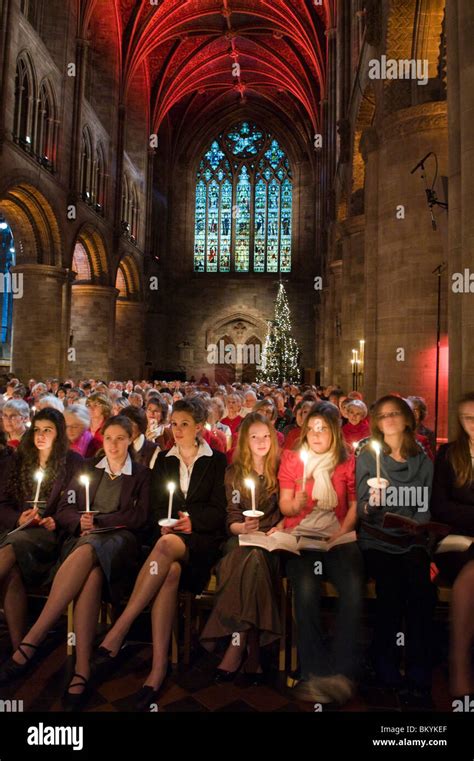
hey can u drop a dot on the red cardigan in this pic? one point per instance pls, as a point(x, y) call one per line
point(357, 432)
point(343, 481)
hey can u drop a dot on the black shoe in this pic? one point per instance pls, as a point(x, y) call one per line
point(145, 698)
point(74, 701)
point(104, 661)
point(12, 670)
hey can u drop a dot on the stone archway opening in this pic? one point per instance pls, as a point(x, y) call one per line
point(33, 284)
point(92, 308)
point(129, 320)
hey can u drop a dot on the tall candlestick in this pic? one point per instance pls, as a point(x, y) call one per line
point(86, 481)
point(171, 488)
point(250, 484)
point(376, 448)
point(38, 479)
point(304, 457)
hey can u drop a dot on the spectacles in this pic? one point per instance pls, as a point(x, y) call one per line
point(388, 415)
point(10, 417)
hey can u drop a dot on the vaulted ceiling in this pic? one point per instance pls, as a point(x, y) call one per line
point(199, 58)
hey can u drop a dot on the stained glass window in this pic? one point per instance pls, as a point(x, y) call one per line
point(243, 204)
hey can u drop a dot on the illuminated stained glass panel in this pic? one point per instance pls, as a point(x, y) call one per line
point(242, 222)
point(226, 226)
point(273, 225)
point(212, 225)
point(244, 140)
point(285, 232)
point(260, 226)
point(200, 228)
point(243, 213)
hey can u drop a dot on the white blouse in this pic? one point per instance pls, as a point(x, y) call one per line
point(185, 471)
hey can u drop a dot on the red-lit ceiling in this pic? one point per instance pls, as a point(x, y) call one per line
point(188, 50)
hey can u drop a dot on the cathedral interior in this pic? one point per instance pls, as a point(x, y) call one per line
point(165, 166)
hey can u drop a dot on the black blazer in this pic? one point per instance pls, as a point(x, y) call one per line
point(133, 512)
point(205, 501)
point(450, 503)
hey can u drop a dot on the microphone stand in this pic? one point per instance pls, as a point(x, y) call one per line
point(432, 201)
point(431, 196)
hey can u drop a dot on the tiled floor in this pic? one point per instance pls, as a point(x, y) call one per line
point(192, 689)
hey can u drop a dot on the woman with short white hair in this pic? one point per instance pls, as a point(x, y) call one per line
point(15, 416)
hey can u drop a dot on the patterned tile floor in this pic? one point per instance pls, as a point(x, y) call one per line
point(192, 689)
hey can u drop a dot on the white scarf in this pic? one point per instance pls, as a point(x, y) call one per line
point(322, 518)
point(320, 467)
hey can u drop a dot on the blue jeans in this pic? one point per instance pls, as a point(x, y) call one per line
point(343, 567)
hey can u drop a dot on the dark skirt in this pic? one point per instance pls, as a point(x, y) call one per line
point(203, 552)
point(451, 563)
point(246, 594)
point(118, 554)
point(36, 550)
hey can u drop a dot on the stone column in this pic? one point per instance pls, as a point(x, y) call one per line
point(408, 251)
point(129, 335)
point(460, 28)
point(333, 340)
point(369, 148)
point(38, 342)
point(93, 329)
point(353, 290)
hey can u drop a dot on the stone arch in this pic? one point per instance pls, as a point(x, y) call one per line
point(128, 281)
point(90, 242)
point(255, 324)
point(129, 319)
point(34, 225)
point(25, 100)
point(42, 281)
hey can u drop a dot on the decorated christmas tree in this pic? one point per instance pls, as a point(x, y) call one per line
point(280, 355)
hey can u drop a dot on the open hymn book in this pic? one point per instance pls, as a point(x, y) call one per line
point(281, 540)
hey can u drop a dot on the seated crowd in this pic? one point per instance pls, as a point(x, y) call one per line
point(129, 492)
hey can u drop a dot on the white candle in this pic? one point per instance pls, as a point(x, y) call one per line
point(38, 478)
point(304, 457)
point(171, 488)
point(250, 484)
point(208, 426)
point(355, 444)
point(86, 481)
point(376, 448)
